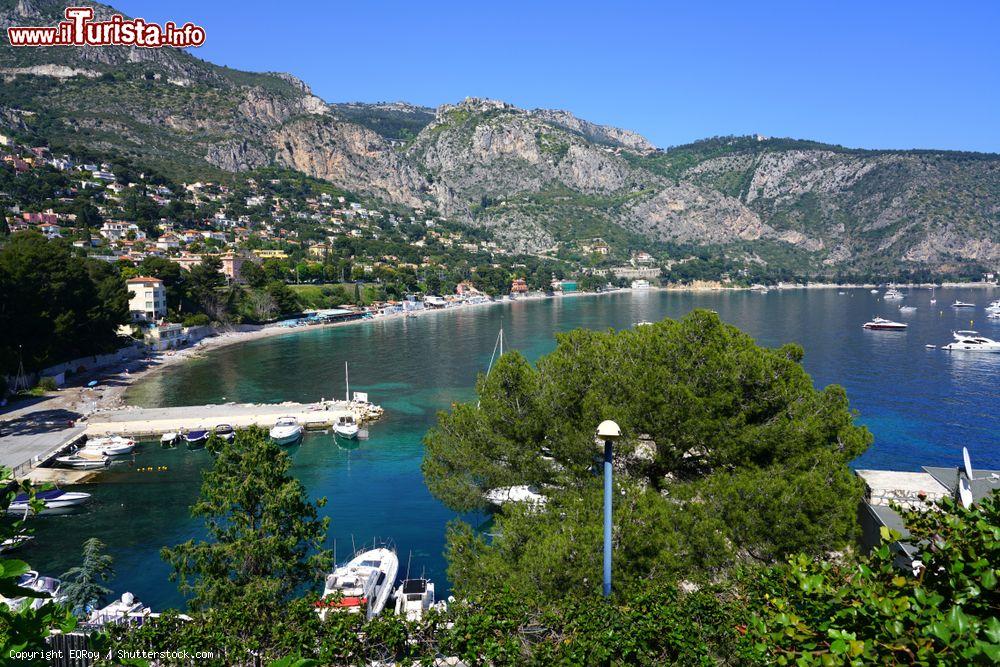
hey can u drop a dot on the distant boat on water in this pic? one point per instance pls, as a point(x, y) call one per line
point(880, 323)
point(963, 304)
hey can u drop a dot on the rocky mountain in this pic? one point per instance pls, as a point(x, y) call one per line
point(537, 178)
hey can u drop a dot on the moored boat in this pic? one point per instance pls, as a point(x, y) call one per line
point(414, 598)
point(226, 432)
point(882, 324)
point(169, 439)
point(114, 445)
point(53, 499)
point(84, 460)
point(286, 431)
point(346, 427)
point(963, 304)
point(892, 295)
point(196, 439)
point(364, 583)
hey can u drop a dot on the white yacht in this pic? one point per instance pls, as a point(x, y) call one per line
point(415, 597)
point(880, 323)
point(874, 291)
point(364, 583)
point(114, 445)
point(972, 341)
point(994, 307)
point(54, 499)
point(286, 431)
point(963, 304)
point(892, 295)
point(907, 309)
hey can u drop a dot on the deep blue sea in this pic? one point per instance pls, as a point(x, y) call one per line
point(922, 405)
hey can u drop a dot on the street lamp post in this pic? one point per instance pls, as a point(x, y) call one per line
point(608, 431)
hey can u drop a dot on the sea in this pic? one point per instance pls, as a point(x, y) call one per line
point(922, 405)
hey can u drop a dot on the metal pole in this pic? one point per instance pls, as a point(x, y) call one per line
point(607, 518)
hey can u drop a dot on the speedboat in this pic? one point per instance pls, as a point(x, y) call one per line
point(50, 586)
point(994, 307)
point(364, 583)
point(993, 316)
point(880, 323)
point(892, 295)
point(963, 304)
point(874, 291)
point(971, 341)
point(169, 439)
point(414, 598)
point(84, 460)
point(196, 439)
point(114, 445)
point(907, 309)
point(286, 431)
point(346, 427)
point(54, 499)
point(226, 432)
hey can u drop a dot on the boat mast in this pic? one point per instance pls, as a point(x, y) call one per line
point(347, 384)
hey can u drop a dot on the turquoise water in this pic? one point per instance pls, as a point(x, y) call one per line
point(922, 405)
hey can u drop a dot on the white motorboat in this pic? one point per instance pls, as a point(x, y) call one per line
point(84, 460)
point(346, 427)
point(169, 439)
point(874, 291)
point(515, 494)
point(54, 499)
point(882, 324)
point(286, 431)
point(971, 341)
point(40, 584)
point(907, 309)
point(15, 542)
point(892, 295)
point(993, 316)
point(994, 307)
point(415, 597)
point(114, 445)
point(364, 583)
point(226, 432)
point(963, 304)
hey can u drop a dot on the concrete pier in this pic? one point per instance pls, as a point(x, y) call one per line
point(149, 422)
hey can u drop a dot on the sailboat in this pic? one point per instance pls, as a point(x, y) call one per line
point(347, 426)
point(496, 346)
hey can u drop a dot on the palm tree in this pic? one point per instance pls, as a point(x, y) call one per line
point(82, 584)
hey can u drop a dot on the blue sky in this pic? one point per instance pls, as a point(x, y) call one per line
point(866, 74)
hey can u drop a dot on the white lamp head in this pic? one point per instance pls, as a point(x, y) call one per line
point(608, 430)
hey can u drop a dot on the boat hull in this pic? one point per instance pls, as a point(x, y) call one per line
point(286, 437)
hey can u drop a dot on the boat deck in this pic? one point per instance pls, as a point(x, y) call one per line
point(148, 422)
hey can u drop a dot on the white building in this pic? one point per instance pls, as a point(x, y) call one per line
point(148, 299)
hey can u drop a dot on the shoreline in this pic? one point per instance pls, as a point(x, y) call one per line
point(117, 380)
point(115, 397)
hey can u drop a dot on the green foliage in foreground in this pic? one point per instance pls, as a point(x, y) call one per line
point(728, 453)
point(870, 611)
point(846, 611)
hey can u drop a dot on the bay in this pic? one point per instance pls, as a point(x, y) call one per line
point(922, 406)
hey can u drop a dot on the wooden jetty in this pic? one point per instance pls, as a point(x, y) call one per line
point(149, 422)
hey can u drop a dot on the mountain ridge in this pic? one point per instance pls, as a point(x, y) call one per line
point(538, 178)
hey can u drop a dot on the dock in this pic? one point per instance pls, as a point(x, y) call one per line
point(154, 422)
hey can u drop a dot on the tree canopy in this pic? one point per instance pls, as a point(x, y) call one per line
point(728, 451)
